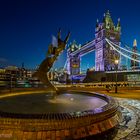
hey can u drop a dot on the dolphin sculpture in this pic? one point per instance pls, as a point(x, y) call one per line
point(52, 55)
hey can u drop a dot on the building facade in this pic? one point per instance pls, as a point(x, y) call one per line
point(134, 64)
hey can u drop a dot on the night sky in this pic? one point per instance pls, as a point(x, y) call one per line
point(26, 27)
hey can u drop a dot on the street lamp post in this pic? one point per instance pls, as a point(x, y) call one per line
point(116, 64)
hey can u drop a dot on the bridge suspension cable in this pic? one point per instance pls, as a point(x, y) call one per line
point(127, 56)
point(129, 47)
point(132, 52)
point(65, 65)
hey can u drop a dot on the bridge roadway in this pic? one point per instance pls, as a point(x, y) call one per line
point(90, 46)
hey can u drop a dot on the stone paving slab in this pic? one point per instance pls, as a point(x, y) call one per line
point(129, 127)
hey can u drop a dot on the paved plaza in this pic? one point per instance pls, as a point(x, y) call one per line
point(129, 101)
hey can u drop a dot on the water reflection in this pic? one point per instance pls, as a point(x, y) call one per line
point(43, 103)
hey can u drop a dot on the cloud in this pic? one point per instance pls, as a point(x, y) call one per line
point(3, 60)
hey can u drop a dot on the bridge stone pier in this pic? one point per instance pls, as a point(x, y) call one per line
point(104, 55)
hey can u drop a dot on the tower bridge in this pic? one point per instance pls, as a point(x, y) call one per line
point(107, 46)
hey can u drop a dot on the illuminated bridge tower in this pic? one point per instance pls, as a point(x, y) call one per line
point(104, 55)
point(134, 64)
point(73, 61)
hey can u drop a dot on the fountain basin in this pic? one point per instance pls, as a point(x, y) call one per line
point(72, 115)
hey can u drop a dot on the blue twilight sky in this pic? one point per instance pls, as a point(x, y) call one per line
point(26, 26)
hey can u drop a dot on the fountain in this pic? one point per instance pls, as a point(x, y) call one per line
point(70, 115)
point(47, 63)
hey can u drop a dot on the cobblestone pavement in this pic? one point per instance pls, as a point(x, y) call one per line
point(129, 128)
